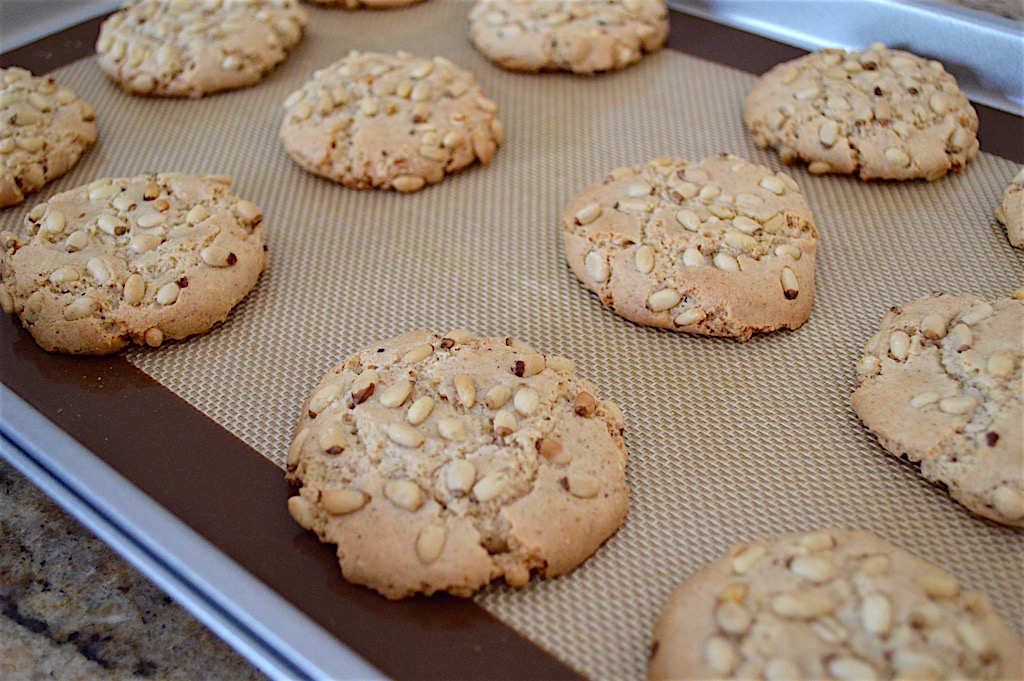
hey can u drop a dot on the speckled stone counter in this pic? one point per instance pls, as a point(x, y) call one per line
point(70, 608)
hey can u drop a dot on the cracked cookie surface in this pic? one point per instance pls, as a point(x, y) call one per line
point(378, 121)
point(1011, 211)
point(940, 383)
point(722, 247)
point(142, 259)
point(44, 129)
point(191, 48)
point(835, 604)
point(441, 463)
point(880, 114)
point(582, 36)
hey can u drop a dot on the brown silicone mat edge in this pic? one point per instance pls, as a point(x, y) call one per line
point(233, 496)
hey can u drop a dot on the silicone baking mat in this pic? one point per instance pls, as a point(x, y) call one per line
point(727, 441)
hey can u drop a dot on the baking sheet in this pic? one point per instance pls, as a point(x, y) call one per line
point(727, 441)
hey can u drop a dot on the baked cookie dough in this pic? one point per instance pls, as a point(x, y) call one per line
point(836, 604)
point(191, 48)
point(377, 121)
point(722, 247)
point(940, 383)
point(442, 462)
point(1011, 211)
point(44, 128)
point(142, 259)
point(582, 36)
point(880, 114)
point(367, 4)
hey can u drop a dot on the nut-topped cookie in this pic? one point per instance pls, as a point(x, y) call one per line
point(378, 121)
point(142, 259)
point(940, 383)
point(191, 48)
point(722, 247)
point(582, 36)
point(1011, 211)
point(880, 114)
point(442, 462)
point(835, 604)
point(44, 128)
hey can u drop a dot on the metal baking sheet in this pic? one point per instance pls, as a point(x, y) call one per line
point(727, 440)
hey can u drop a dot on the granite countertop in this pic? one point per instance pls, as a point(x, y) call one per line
point(70, 608)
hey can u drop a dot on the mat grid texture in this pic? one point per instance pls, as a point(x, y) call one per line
point(728, 441)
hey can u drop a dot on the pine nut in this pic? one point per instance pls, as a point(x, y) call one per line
point(64, 274)
point(745, 224)
point(31, 144)
point(788, 250)
point(323, 398)
point(460, 336)
point(959, 404)
point(876, 614)
point(404, 494)
point(939, 586)
point(153, 337)
point(976, 313)
point(709, 192)
point(197, 214)
point(405, 435)
point(688, 219)
point(851, 669)
point(111, 225)
point(725, 262)
point(215, 256)
point(295, 449)
point(497, 396)
point(924, 399)
point(874, 566)
point(363, 386)
point(815, 569)
point(774, 185)
point(597, 267)
point(644, 259)
point(828, 133)
point(408, 183)
point(490, 487)
point(527, 366)
point(583, 485)
point(553, 451)
point(99, 270)
point(733, 593)
point(585, 404)
point(1008, 502)
point(79, 309)
point(342, 501)
point(460, 477)
point(692, 257)
point(302, 512)
point(526, 401)
point(143, 243)
point(397, 394)
point(430, 543)
point(897, 157)
point(504, 423)
point(55, 222)
point(803, 605)
point(664, 299)
point(740, 241)
point(782, 669)
point(961, 338)
point(417, 354)
point(745, 560)
point(420, 410)
point(733, 618)
point(720, 655)
point(151, 220)
point(690, 316)
point(721, 212)
point(899, 345)
point(466, 390)
point(78, 240)
point(332, 438)
point(452, 429)
point(560, 365)
point(933, 326)
point(168, 294)
point(817, 541)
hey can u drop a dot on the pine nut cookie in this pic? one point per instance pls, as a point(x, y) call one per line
point(191, 48)
point(940, 383)
point(377, 121)
point(367, 4)
point(1011, 211)
point(835, 604)
point(44, 128)
point(440, 463)
point(722, 247)
point(880, 114)
point(142, 259)
point(582, 36)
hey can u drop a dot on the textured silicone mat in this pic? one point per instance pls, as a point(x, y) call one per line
point(727, 440)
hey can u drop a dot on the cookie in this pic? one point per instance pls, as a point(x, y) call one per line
point(440, 463)
point(142, 259)
point(44, 128)
point(722, 247)
point(940, 383)
point(1011, 211)
point(880, 114)
point(582, 36)
point(191, 48)
point(367, 4)
point(377, 121)
point(835, 604)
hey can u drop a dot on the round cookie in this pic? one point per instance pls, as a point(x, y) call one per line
point(191, 48)
point(835, 604)
point(143, 259)
point(582, 36)
point(44, 128)
point(377, 121)
point(881, 114)
point(367, 4)
point(722, 247)
point(940, 383)
point(440, 463)
point(1011, 211)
